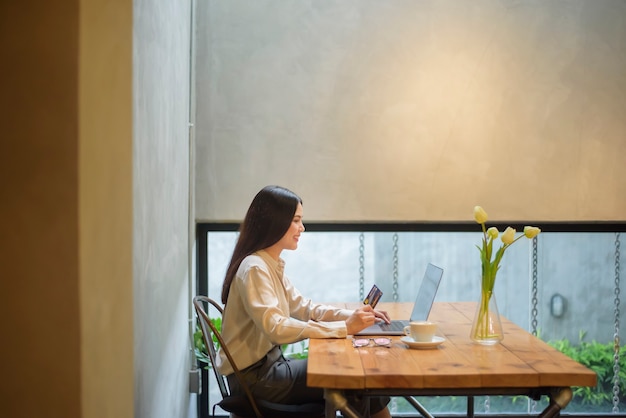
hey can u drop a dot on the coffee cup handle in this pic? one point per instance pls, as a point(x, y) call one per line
point(407, 330)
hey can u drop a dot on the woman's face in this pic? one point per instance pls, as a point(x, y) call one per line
point(289, 241)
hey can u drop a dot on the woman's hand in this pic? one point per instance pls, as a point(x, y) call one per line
point(364, 317)
point(382, 315)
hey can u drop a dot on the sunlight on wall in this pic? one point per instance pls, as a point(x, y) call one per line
point(413, 110)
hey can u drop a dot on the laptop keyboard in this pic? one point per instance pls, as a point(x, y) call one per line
point(393, 326)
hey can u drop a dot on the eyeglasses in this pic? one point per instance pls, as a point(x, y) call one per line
point(364, 342)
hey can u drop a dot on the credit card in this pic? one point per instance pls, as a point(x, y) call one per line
point(373, 297)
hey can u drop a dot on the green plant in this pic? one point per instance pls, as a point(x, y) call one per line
point(293, 352)
point(600, 358)
point(198, 342)
point(290, 350)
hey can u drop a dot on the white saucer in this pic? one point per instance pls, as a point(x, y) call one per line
point(422, 344)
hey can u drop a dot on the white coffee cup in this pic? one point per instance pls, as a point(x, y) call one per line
point(421, 331)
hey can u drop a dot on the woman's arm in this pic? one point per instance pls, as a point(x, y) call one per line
point(267, 302)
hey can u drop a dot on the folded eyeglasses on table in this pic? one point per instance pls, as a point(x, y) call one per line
point(364, 342)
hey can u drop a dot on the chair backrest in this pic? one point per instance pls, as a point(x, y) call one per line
point(209, 330)
point(242, 405)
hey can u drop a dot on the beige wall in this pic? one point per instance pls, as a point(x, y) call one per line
point(40, 253)
point(94, 256)
point(105, 189)
point(414, 110)
point(66, 254)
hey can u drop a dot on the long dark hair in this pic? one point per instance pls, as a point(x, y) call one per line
point(268, 218)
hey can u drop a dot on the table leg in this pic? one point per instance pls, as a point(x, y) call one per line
point(335, 400)
point(559, 398)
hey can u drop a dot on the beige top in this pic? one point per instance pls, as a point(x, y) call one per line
point(264, 310)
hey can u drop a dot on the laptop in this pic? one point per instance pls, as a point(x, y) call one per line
point(421, 308)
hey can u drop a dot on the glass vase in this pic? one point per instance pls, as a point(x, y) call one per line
point(487, 328)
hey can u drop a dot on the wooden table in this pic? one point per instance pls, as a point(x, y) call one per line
point(520, 365)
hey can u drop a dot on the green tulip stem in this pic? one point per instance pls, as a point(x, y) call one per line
point(482, 332)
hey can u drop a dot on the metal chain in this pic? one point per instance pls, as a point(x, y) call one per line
point(395, 267)
point(534, 311)
point(361, 266)
point(616, 341)
point(534, 290)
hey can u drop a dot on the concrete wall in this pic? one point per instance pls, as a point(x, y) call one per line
point(161, 97)
point(414, 110)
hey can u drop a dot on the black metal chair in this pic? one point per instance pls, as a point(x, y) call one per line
point(243, 406)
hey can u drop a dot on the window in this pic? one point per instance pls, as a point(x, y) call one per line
point(565, 288)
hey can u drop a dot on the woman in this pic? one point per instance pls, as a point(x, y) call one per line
point(262, 309)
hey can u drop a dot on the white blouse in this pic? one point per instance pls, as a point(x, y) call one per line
point(264, 310)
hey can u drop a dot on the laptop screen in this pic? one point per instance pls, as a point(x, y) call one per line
point(426, 293)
